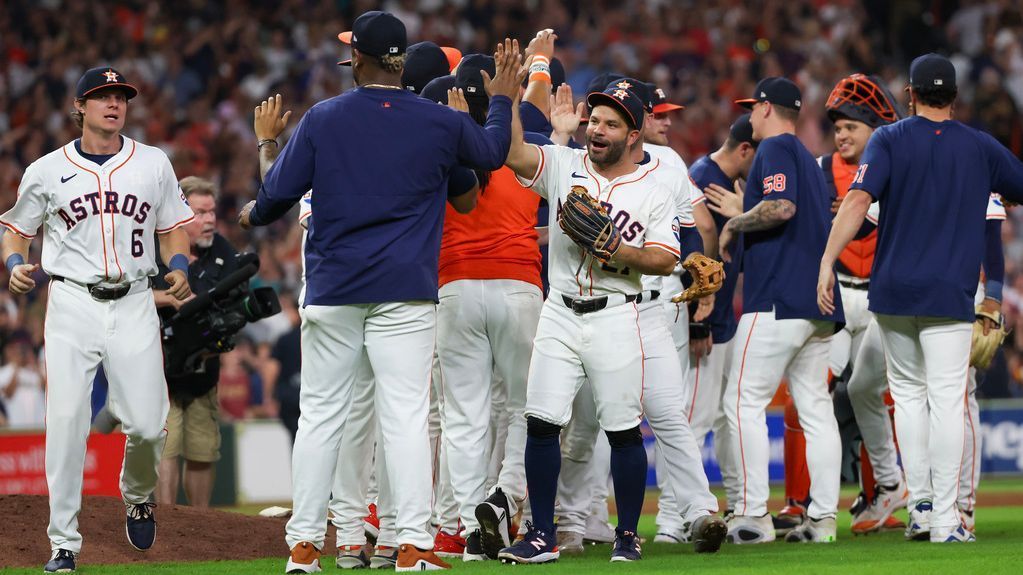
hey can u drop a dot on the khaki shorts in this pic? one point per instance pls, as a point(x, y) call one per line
point(194, 432)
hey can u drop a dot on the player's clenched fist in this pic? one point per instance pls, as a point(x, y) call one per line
point(21, 278)
point(178, 285)
point(243, 216)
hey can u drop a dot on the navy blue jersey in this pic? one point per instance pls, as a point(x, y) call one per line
point(533, 120)
point(705, 172)
point(378, 163)
point(780, 265)
point(933, 181)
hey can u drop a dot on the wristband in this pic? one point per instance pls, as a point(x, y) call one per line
point(992, 288)
point(540, 69)
point(179, 262)
point(264, 142)
point(14, 260)
point(698, 331)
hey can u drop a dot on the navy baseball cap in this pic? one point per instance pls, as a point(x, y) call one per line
point(425, 61)
point(776, 90)
point(622, 99)
point(932, 70)
point(377, 34)
point(636, 87)
point(660, 100)
point(601, 81)
point(742, 130)
point(468, 77)
point(437, 89)
point(100, 78)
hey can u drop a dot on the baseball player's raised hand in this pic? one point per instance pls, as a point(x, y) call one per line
point(726, 202)
point(243, 216)
point(541, 45)
point(268, 122)
point(509, 71)
point(21, 279)
point(457, 101)
point(565, 115)
point(826, 289)
point(178, 281)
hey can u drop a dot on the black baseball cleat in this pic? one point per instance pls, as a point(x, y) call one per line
point(62, 561)
point(140, 525)
point(495, 523)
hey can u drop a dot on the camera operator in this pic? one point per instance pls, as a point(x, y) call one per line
point(193, 429)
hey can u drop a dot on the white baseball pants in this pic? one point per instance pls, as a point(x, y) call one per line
point(928, 366)
point(767, 349)
point(866, 394)
point(399, 341)
point(485, 326)
point(124, 336)
point(846, 343)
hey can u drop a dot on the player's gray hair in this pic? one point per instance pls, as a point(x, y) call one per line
point(392, 63)
point(193, 185)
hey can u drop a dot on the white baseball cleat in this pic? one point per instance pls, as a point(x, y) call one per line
point(919, 526)
point(746, 529)
point(814, 531)
point(672, 535)
point(305, 558)
point(886, 500)
point(570, 542)
point(952, 535)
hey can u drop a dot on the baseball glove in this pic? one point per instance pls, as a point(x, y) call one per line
point(708, 275)
point(584, 220)
point(983, 348)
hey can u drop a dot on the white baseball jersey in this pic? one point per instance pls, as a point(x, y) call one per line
point(642, 208)
point(99, 220)
point(668, 156)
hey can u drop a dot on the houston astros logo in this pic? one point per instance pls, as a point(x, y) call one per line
point(111, 75)
point(661, 94)
point(624, 85)
point(621, 94)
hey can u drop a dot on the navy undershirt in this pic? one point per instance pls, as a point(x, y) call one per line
point(98, 159)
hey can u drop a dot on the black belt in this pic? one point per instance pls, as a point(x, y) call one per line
point(101, 292)
point(855, 285)
point(581, 306)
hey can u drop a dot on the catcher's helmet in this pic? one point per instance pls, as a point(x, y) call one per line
point(864, 99)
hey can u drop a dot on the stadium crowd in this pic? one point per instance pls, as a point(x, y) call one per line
point(201, 67)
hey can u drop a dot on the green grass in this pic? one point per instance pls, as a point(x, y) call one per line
point(1000, 532)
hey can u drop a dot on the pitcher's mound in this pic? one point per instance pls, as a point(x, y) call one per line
point(183, 534)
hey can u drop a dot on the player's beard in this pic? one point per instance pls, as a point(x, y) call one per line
point(609, 156)
point(204, 243)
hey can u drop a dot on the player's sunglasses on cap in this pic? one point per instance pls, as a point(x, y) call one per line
point(103, 77)
point(742, 130)
point(932, 70)
point(661, 105)
point(621, 99)
point(776, 90)
point(425, 61)
point(636, 87)
point(468, 77)
point(377, 34)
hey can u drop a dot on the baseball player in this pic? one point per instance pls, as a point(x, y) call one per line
point(490, 299)
point(716, 174)
point(923, 282)
point(371, 256)
point(100, 199)
point(781, 333)
point(589, 326)
point(857, 105)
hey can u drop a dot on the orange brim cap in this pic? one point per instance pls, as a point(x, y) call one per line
point(454, 56)
point(667, 107)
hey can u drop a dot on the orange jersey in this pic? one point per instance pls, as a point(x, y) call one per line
point(498, 239)
point(858, 257)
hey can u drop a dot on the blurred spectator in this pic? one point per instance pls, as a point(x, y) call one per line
point(283, 374)
point(22, 387)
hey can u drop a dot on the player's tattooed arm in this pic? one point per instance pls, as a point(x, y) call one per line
point(268, 123)
point(764, 216)
point(15, 251)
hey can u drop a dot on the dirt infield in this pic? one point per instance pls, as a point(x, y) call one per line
point(183, 534)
